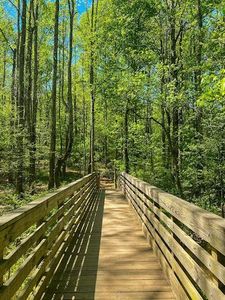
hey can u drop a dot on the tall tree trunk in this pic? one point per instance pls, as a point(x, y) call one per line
point(12, 117)
point(28, 83)
point(94, 12)
point(18, 51)
point(32, 166)
point(4, 76)
point(21, 123)
point(199, 111)
point(106, 135)
point(163, 101)
point(51, 182)
point(126, 137)
point(84, 114)
point(149, 131)
point(62, 85)
point(164, 149)
point(69, 138)
point(175, 109)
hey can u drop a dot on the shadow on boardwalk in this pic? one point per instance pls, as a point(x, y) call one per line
point(77, 271)
point(109, 257)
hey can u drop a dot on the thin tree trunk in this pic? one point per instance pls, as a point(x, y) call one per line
point(4, 77)
point(106, 135)
point(94, 13)
point(163, 97)
point(21, 123)
point(32, 167)
point(84, 114)
point(18, 52)
point(51, 183)
point(126, 137)
point(198, 120)
point(149, 132)
point(62, 85)
point(12, 117)
point(175, 109)
point(28, 83)
point(70, 129)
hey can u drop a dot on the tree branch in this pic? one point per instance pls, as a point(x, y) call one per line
point(182, 27)
point(14, 5)
point(166, 131)
point(7, 41)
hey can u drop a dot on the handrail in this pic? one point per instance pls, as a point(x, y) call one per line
point(189, 241)
point(33, 238)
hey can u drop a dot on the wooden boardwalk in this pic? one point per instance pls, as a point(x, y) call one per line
point(109, 258)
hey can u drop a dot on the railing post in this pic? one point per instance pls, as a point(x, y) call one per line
point(115, 178)
point(122, 183)
point(125, 187)
point(214, 254)
point(218, 257)
point(98, 179)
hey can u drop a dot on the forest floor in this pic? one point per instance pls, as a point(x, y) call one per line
point(9, 200)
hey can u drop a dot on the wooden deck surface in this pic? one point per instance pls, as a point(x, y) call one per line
point(109, 258)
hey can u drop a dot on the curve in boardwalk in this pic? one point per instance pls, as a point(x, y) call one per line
point(109, 257)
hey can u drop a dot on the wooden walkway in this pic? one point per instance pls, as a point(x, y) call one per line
point(109, 258)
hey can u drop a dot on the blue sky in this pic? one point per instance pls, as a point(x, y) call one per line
point(81, 6)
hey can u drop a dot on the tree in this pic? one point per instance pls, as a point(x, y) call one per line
point(93, 28)
point(34, 99)
point(70, 107)
point(51, 183)
point(21, 104)
point(137, 85)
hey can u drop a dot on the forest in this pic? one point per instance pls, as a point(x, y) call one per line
point(111, 86)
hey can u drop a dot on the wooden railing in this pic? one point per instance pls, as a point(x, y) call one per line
point(33, 238)
point(189, 241)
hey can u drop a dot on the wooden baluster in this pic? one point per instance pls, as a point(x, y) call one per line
point(43, 236)
point(120, 182)
point(217, 256)
point(115, 178)
point(123, 184)
point(214, 254)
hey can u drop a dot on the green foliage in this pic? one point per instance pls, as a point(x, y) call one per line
point(135, 74)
